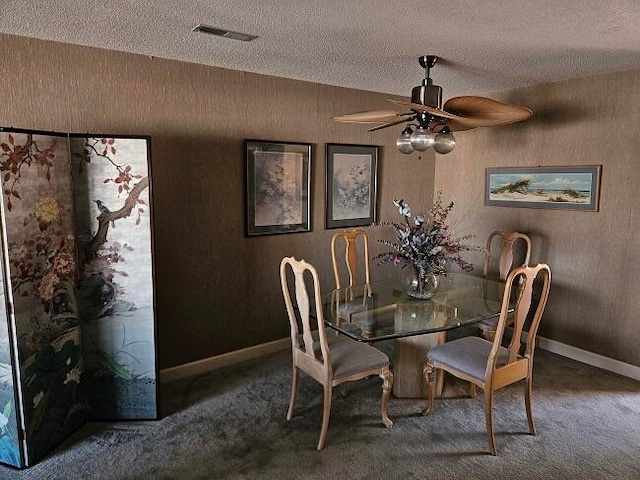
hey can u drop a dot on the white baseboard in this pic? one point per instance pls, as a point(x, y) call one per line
point(211, 363)
point(590, 358)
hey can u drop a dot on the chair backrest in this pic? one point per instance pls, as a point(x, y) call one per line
point(522, 279)
point(316, 362)
point(507, 252)
point(350, 258)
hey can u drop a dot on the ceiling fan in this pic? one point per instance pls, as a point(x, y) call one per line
point(431, 124)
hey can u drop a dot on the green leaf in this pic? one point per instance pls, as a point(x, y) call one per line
point(77, 408)
point(114, 366)
point(38, 414)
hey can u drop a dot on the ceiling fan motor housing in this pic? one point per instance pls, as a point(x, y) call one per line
point(427, 94)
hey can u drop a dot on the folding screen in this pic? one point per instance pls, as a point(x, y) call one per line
point(60, 355)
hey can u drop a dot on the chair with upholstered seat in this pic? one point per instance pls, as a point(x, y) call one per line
point(354, 254)
point(330, 360)
point(512, 244)
point(351, 256)
point(489, 365)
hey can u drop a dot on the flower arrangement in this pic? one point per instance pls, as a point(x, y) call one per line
point(425, 241)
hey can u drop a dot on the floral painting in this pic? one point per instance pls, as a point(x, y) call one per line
point(351, 185)
point(278, 188)
point(351, 198)
point(37, 207)
point(278, 177)
point(113, 223)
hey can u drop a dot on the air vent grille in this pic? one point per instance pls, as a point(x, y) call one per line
point(221, 32)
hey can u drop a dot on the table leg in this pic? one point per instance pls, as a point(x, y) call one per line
point(410, 353)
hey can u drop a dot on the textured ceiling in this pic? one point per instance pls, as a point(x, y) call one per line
point(371, 45)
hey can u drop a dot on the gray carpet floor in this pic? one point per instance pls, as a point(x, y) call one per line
point(230, 424)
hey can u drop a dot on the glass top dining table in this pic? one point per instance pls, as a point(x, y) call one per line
point(383, 310)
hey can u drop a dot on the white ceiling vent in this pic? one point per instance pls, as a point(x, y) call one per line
point(221, 32)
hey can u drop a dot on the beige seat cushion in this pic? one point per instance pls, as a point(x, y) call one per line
point(468, 354)
point(349, 357)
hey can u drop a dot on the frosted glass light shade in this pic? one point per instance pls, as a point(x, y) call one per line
point(444, 143)
point(404, 141)
point(422, 139)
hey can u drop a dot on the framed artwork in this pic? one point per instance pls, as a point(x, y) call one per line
point(352, 176)
point(278, 192)
point(566, 188)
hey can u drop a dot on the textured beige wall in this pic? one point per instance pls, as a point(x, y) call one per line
point(217, 291)
point(594, 302)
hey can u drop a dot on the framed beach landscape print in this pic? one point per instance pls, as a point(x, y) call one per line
point(566, 188)
point(352, 172)
point(278, 187)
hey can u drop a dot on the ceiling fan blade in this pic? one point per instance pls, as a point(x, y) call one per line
point(430, 110)
point(453, 126)
point(374, 116)
point(459, 127)
point(388, 124)
point(486, 112)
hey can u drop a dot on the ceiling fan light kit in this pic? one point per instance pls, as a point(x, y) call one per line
point(429, 123)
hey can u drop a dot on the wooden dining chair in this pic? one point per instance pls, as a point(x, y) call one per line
point(351, 258)
point(330, 360)
point(489, 365)
point(511, 244)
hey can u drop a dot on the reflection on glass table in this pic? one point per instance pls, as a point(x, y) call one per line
point(382, 310)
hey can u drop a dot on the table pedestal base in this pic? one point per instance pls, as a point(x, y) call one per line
point(410, 354)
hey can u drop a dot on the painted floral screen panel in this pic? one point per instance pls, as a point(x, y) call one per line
point(116, 292)
point(40, 241)
point(9, 445)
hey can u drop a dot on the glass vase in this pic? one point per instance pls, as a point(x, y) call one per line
point(419, 287)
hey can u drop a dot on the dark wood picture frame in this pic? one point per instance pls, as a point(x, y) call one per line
point(278, 187)
point(352, 180)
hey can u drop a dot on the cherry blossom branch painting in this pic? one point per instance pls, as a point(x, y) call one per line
point(111, 190)
point(15, 156)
